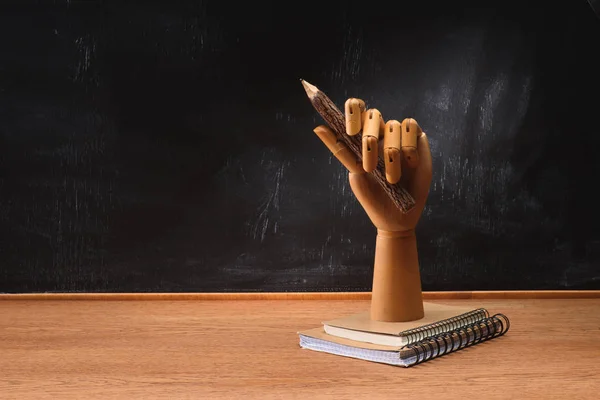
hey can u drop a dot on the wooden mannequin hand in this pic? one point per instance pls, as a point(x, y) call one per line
point(405, 150)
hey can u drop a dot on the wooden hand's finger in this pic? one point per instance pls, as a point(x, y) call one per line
point(392, 141)
point(372, 127)
point(411, 131)
point(339, 149)
point(421, 180)
point(354, 109)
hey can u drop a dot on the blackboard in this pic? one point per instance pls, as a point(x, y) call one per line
point(158, 146)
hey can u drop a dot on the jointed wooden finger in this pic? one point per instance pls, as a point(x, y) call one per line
point(354, 109)
point(372, 126)
point(399, 195)
point(339, 149)
point(392, 141)
point(410, 132)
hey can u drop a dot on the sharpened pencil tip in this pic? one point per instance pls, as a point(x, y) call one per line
point(311, 90)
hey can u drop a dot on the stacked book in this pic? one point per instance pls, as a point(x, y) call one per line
point(443, 330)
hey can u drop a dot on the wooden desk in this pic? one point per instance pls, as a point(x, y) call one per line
point(249, 349)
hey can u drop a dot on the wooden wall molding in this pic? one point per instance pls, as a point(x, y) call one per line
point(458, 295)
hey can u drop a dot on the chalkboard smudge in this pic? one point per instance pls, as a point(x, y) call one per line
point(272, 202)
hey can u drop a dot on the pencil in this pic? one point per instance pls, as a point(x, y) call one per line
point(336, 121)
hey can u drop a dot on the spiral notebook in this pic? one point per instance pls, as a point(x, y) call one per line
point(438, 318)
point(408, 355)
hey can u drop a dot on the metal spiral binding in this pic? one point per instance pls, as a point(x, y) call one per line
point(465, 336)
point(422, 332)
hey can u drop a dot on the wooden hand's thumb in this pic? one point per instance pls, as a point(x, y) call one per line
point(374, 200)
point(339, 149)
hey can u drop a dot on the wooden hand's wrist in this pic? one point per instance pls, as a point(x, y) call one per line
point(396, 294)
point(409, 233)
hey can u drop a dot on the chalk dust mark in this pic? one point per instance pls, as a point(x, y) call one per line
point(86, 49)
point(491, 98)
point(441, 98)
point(349, 67)
point(272, 202)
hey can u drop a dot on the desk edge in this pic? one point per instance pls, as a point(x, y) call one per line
point(445, 295)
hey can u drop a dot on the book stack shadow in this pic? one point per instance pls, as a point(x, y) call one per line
point(443, 330)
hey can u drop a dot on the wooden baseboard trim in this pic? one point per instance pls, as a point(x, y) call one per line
point(459, 295)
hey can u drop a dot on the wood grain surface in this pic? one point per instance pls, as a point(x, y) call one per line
point(240, 349)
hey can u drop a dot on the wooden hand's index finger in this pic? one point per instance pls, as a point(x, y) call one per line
point(354, 109)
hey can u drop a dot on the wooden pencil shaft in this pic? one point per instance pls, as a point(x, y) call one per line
point(336, 121)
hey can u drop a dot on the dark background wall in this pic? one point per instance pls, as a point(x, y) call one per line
point(169, 147)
